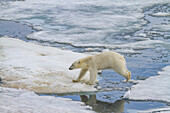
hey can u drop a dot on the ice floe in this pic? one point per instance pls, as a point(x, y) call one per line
point(22, 101)
point(161, 14)
point(39, 68)
point(158, 110)
point(140, 45)
point(78, 22)
point(162, 28)
point(156, 88)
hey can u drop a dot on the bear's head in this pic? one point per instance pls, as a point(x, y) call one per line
point(81, 63)
point(76, 65)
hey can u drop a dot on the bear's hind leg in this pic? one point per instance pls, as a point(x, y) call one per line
point(124, 72)
point(81, 75)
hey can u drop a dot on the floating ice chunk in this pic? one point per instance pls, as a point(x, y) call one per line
point(38, 68)
point(140, 45)
point(163, 28)
point(161, 14)
point(130, 51)
point(22, 101)
point(92, 49)
point(105, 50)
point(158, 110)
point(154, 88)
point(127, 37)
point(141, 35)
point(38, 28)
point(99, 88)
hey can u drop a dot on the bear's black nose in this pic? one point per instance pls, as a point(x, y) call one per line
point(70, 68)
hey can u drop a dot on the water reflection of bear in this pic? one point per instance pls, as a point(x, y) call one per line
point(103, 107)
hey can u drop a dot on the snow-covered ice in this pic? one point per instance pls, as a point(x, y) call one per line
point(78, 22)
point(22, 101)
point(163, 28)
point(161, 14)
point(155, 88)
point(158, 110)
point(39, 68)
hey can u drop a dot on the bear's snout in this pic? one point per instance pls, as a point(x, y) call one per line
point(71, 67)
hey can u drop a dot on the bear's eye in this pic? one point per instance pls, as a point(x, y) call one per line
point(79, 62)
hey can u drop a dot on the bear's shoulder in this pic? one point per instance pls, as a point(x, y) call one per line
point(86, 59)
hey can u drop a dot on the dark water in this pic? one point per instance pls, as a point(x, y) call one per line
point(15, 29)
point(118, 106)
point(142, 66)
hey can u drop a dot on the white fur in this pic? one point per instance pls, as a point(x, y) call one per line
point(105, 60)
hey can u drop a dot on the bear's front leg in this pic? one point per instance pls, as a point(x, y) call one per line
point(81, 75)
point(93, 75)
point(76, 80)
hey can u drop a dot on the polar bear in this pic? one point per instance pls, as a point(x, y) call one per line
point(105, 60)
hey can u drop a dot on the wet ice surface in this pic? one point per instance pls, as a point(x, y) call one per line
point(22, 101)
point(158, 89)
point(118, 106)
